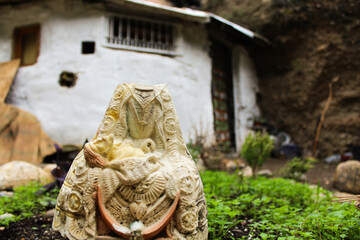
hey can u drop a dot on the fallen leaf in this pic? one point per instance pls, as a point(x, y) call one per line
point(322, 47)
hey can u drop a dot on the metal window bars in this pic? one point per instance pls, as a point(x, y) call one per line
point(138, 34)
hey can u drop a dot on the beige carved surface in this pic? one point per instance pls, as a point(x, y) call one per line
point(136, 178)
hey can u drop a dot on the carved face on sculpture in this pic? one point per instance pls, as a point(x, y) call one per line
point(135, 178)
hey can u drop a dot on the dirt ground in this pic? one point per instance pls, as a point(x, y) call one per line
point(35, 228)
point(322, 172)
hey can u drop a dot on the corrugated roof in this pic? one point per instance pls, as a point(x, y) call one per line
point(186, 13)
point(200, 16)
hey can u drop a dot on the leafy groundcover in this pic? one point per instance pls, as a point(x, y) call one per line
point(246, 208)
point(26, 202)
point(238, 208)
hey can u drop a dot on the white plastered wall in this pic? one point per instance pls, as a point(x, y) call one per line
point(69, 115)
point(245, 89)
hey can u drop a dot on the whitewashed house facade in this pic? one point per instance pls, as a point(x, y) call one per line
point(74, 53)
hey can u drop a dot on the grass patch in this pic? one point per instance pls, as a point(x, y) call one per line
point(277, 208)
point(25, 203)
point(272, 208)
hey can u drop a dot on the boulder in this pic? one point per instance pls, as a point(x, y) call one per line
point(231, 165)
point(19, 173)
point(49, 167)
point(265, 173)
point(246, 171)
point(200, 165)
point(347, 177)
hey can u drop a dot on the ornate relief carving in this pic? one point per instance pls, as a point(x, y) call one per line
point(136, 177)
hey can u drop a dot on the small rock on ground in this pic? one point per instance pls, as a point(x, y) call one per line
point(50, 213)
point(49, 167)
point(6, 215)
point(246, 171)
point(6, 194)
point(265, 173)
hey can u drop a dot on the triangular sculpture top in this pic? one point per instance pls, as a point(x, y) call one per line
point(135, 179)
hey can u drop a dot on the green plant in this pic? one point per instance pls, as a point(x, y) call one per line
point(26, 203)
point(297, 167)
point(256, 150)
point(195, 150)
point(275, 209)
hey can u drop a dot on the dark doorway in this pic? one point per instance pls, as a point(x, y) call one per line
point(222, 96)
point(27, 44)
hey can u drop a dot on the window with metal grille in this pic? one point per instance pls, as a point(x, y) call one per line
point(141, 35)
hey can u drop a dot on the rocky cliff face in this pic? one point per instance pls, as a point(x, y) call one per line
point(312, 43)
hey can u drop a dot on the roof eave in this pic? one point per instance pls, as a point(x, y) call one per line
point(182, 13)
point(244, 31)
point(199, 16)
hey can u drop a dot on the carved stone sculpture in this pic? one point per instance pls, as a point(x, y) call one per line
point(135, 179)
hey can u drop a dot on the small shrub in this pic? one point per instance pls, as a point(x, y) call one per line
point(256, 150)
point(297, 167)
